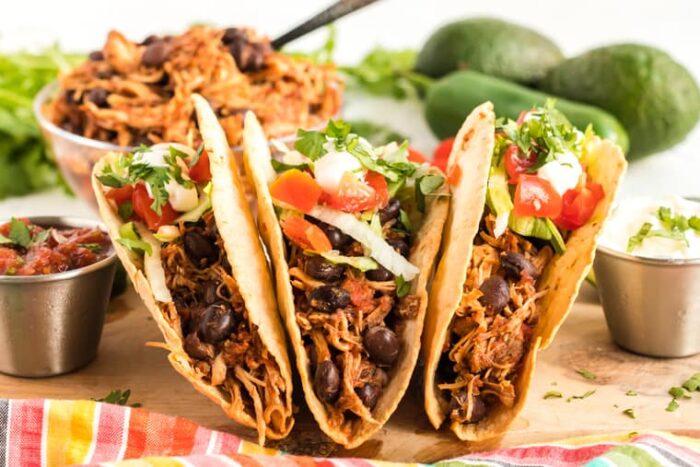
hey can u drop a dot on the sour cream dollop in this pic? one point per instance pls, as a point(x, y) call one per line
point(563, 173)
point(330, 169)
point(631, 215)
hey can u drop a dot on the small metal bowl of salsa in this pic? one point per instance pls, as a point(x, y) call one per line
point(56, 276)
point(647, 270)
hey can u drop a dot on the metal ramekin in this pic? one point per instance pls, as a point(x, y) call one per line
point(652, 305)
point(52, 324)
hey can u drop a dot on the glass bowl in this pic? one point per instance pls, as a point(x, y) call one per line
point(76, 155)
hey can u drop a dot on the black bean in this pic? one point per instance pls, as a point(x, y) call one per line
point(516, 265)
point(210, 295)
point(458, 402)
point(69, 95)
point(369, 395)
point(327, 381)
point(155, 54)
point(151, 38)
point(337, 238)
point(329, 298)
point(318, 268)
point(381, 274)
point(382, 345)
point(96, 56)
point(200, 249)
point(98, 96)
point(217, 323)
point(195, 348)
point(400, 245)
point(390, 211)
point(495, 294)
point(234, 34)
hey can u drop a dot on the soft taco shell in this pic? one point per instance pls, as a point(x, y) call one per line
point(257, 162)
point(562, 277)
point(245, 255)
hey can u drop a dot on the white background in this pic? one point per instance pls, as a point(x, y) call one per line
point(673, 25)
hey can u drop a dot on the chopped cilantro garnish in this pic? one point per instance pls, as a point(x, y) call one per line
point(586, 374)
point(552, 395)
point(693, 383)
point(282, 167)
point(630, 413)
point(94, 247)
point(631, 393)
point(672, 406)
point(582, 396)
point(118, 397)
point(403, 287)
point(125, 210)
point(19, 233)
point(310, 143)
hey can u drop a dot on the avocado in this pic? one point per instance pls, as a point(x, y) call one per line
point(491, 46)
point(655, 98)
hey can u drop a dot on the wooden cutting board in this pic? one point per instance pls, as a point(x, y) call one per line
point(583, 342)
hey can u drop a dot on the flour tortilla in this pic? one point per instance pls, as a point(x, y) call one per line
point(257, 163)
point(563, 276)
point(244, 252)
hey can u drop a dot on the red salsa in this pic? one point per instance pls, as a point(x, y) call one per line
point(27, 249)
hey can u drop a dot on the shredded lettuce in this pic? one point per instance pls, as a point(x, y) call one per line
point(358, 262)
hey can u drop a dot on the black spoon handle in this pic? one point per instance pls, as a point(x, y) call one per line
point(330, 14)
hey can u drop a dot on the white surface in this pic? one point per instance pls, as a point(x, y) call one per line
point(576, 26)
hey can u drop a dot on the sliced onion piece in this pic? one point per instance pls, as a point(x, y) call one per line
point(379, 249)
point(153, 267)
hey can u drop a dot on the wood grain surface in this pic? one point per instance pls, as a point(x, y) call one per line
point(124, 362)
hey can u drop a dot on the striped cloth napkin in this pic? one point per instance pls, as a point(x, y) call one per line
point(53, 432)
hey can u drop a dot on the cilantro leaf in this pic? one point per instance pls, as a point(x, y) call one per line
point(637, 239)
point(586, 374)
point(118, 397)
point(310, 143)
point(94, 247)
point(630, 413)
point(552, 395)
point(672, 406)
point(585, 395)
point(338, 130)
point(197, 155)
point(631, 393)
point(41, 236)
point(19, 233)
point(282, 167)
point(403, 287)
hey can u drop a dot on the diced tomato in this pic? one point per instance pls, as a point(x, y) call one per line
point(142, 208)
point(455, 175)
point(120, 195)
point(353, 198)
point(521, 117)
point(536, 197)
point(305, 234)
point(361, 293)
point(442, 153)
point(416, 156)
point(297, 189)
point(201, 172)
point(515, 164)
point(578, 205)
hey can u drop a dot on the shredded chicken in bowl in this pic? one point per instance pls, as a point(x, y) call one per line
point(132, 93)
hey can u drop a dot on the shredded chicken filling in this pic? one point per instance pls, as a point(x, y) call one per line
point(132, 93)
point(224, 346)
point(493, 325)
point(350, 322)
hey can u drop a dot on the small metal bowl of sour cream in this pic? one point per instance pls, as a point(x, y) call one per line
point(650, 294)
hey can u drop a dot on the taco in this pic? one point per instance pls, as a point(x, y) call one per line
point(527, 207)
point(353, 232)
point(181, 225)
